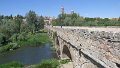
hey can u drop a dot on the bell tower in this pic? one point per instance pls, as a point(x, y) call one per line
point(62, 10)
point(72, 11)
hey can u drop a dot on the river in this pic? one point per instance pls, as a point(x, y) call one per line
point(28, 55)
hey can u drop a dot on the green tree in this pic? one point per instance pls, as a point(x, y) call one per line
point(61, 18)
point(1, 17)
point(74, 15)
point(119, 19)
point(2, 39)
point(11, 17)
point(41, 23)
point(18, 21)
point(31, 19)
point(67, 21)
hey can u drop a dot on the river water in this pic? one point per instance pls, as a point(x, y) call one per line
point(28, 55)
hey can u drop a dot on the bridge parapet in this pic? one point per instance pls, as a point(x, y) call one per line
point(100, 44)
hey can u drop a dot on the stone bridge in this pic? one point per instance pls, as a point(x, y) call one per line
point(88, 47)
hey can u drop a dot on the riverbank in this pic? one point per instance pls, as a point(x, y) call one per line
point(51, 63)
point(35, 40)
point(28, 39)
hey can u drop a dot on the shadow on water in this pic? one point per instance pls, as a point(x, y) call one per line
point(28, 55)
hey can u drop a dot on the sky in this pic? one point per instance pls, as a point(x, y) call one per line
point(86, 8)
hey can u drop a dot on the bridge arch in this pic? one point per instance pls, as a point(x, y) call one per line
point(57, 45)
point(66, 52)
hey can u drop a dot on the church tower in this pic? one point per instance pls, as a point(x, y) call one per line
point(72, 11)
point(62, 10)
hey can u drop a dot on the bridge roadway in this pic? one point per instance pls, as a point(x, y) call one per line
point(93, 47)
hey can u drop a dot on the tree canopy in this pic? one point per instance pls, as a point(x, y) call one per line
point(74, 19)
point(15, 28)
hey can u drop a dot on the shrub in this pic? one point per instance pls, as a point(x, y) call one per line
point(5, 48)
point(13, 38)
point(52, 63)
point(2, 40)
point(22, 36)
point(8, 47)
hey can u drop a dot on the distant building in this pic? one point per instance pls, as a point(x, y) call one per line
point(115, 19)
point(63, 12)
point(48, 20)
point(72, 11)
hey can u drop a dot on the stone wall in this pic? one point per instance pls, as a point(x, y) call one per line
point(96, 47)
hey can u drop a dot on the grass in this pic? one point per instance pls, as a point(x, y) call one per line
point(42, 37)
point(51, 63)
point(11, 65)
point(38, 38)
point(64, 61)
point(52, 46)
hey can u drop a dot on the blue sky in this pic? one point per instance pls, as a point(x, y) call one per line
point(86, 8)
